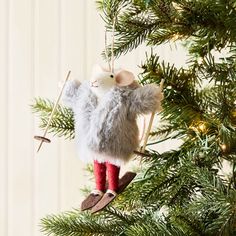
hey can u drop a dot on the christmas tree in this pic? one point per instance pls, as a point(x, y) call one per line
point(183, 191)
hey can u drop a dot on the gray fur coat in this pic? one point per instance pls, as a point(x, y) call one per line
point(107, 130)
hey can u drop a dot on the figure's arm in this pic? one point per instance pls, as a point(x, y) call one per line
point(146, 99)
point(70, 93)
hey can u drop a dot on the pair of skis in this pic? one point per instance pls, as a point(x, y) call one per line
point(96, 202)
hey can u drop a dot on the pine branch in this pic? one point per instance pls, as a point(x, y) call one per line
point(185, 182)
point(74, 224)
point(215, 204)
point(207, 23)
point(62, 123)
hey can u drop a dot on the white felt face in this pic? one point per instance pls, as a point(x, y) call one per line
point(102, 80)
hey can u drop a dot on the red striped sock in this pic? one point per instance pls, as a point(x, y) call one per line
point(100, 175)
point(113, 176)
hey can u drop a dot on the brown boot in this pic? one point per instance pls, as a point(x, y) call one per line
point(110, 195)
point(106, 199)
point(93, 198)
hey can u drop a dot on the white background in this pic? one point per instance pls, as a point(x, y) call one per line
point(40, 40)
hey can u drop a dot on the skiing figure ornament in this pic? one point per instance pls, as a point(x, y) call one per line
point(105, 111)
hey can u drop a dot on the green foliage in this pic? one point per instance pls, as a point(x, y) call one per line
point(184, 191)
point(62, 123)
point(208, 24)
point(109, 222)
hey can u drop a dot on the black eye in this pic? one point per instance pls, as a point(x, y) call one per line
point(111, 76)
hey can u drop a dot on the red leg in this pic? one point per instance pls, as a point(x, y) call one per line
point(113, 176)
point(100, 175)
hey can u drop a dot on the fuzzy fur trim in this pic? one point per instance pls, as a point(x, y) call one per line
point(107, 131)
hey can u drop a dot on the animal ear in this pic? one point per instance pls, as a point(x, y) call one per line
point(104, 69)
point(124, 78)
point(97, 69)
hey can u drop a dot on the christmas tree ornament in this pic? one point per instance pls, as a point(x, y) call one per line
point(105, 111)
point(43, 138)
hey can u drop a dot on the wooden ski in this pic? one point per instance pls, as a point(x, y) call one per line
point(108, 197)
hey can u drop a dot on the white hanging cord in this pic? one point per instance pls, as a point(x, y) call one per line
point(112, 46)
point(110, 60)
point(106, 53)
